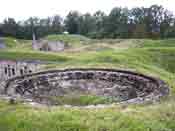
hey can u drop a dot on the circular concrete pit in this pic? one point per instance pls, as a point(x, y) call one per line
point(122, 86)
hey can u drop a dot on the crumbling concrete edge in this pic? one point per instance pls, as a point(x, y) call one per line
point(162, 87)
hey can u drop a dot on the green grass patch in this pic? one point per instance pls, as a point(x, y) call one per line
point(157, 117)
point(22, 55)
point(151, 57)
point(72, 39)
point(81, 100)
point(159, 43)
point(10, 42)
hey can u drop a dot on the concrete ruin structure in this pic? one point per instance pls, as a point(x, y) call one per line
point(10, 68)
point(46, 45)
point(2, 44)
point(126, 86)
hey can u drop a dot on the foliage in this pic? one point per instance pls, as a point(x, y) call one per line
point(72, 22)
point(154, 22)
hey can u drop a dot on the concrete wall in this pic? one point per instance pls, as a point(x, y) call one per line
point(56, 46)
point(125, 85)
point(10, 69)
point(2, 44)
point(44, 45)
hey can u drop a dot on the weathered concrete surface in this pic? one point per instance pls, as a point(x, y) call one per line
point(125, 86)
point(2, 44)
point(12, 68)
point(46, 45)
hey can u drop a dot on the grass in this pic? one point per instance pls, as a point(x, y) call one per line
point(68, 38)
point(159, 43)
point(122, 118)
point(23, 55)
point(152, 57)
point(81, 100)
point(154, 61)
point(71, 40)
point(10, 42)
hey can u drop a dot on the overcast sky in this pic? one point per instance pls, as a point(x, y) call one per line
point(22, 9)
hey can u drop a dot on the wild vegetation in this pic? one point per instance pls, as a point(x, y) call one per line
point(151, 57)
point(152, 22)
point(81, 100)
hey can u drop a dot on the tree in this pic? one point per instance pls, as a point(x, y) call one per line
point(138, 15)
point(99, 19)
point(72, 22)
point(140, 31)
point(153, 22)
point(56, 25)
point(9, 27)
point(116, 22)
point(86, 24)
point(167, 24)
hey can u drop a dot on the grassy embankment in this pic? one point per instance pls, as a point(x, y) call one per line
point(151, 57)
